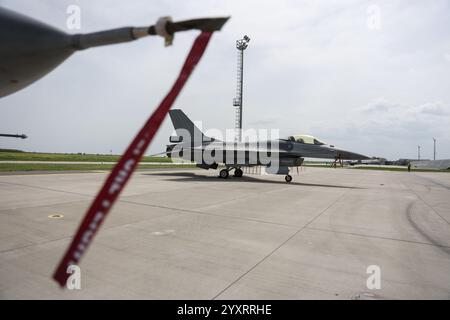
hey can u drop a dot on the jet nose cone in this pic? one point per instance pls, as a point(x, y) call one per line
point(347, 155)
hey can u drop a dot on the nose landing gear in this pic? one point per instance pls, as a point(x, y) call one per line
point(288, 178)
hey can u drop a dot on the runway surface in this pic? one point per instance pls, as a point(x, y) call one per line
point(186, 234)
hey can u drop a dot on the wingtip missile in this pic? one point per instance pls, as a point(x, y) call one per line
point(204, 24)
point(164, 27)
point(30, 48)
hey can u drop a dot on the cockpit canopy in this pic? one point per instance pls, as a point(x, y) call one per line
point(307, 139)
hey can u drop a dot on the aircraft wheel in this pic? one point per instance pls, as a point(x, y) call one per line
point(288, 178)
point(223, 173)
point(238, 173)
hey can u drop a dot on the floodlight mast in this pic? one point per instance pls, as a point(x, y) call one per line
point(241, 45)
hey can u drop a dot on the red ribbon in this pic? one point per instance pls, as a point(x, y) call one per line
point(126, 165)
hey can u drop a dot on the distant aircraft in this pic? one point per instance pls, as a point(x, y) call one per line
point(276, 155)
point(7, 135)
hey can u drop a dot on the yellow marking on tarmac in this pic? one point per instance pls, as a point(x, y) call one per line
point(56, 216)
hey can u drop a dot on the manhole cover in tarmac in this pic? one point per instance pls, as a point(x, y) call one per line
point(55, 216)
point(364, 296)
point(163, 233)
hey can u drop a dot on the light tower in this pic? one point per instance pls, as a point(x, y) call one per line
point(241, 45)
point(418, 152)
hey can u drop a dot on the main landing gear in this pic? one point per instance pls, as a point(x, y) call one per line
point(224, 173)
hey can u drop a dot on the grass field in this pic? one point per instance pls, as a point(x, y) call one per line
point(368, 167)
point(37, 156)
point(398, 169)
point(10, 167)
point(16, 155)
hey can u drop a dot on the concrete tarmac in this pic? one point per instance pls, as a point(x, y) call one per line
point(186, 234)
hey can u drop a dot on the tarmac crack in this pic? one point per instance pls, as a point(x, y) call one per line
point(48, 189)
point(279, 246)
point(71, 237)
point(188, 211)
point(152, 205)
point(378, 237)
point(37, 206)
point(428, 205)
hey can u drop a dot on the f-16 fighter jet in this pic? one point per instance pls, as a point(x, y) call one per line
point(276, 155)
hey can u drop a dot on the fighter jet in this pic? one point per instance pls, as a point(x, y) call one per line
point(278, 155)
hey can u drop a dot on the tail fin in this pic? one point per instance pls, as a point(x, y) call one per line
point(186, 128)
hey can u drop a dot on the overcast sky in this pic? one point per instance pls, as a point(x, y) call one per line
point(373, 84)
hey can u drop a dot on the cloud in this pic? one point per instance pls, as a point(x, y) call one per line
point(435, 109)
point(447, 57)
point(391, 110)
point(379, 106)
point(390, 129)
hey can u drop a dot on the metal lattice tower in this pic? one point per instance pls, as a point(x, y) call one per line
point(241, 45)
